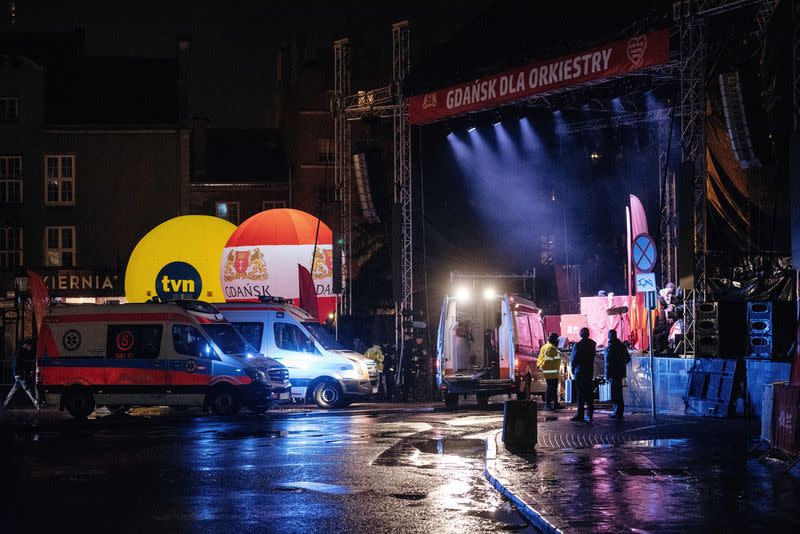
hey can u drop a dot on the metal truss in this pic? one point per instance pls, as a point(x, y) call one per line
point(689, 330)
point(796, 61)
point(342, 164)
point(692, 105)
point(624, 119)
point(374, 103)
point(765, 12)
point(383, 102)
point(401, 64)
point(668, 220)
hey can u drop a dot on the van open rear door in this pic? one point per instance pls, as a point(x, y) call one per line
point(441, 360)
point(505, 338)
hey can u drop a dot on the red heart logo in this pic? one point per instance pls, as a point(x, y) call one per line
point(636, 48)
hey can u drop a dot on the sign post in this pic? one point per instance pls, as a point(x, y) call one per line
point(644, 259)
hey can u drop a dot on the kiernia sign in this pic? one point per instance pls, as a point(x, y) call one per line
point(621, 57)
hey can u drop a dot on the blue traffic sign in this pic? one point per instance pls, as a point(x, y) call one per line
point(644, 253)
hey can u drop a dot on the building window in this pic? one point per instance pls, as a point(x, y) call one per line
point(10, 247)
point(59, 248)
point(325, 151)
point(272, 204)
point(10, 179)
point(228, 211)
point(60, 181)
point(9, 108)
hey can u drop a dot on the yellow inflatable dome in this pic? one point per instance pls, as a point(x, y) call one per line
point(179, 258)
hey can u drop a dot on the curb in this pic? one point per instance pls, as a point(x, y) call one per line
point(490, 472)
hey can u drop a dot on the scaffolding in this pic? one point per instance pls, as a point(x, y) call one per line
point(342, 165)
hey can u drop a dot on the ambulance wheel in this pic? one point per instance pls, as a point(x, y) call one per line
point(224, 401)
point(327, 394)
point(79, 402)
point(123, 408)
point(451, 400)
point(483, 401)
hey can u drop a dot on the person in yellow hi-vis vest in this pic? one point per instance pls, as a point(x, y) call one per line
point(375, 354)
point(549, 362)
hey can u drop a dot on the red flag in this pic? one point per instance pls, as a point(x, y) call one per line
point(308, 293)
point(40, 299)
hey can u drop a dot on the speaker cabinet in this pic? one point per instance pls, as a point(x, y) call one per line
point(707, 345)
point(760, 327)
point(761, 347)
point(759, 310)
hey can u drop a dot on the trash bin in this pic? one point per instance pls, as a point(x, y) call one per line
point(520, 426)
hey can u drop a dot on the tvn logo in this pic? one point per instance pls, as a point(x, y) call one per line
point(178, 280)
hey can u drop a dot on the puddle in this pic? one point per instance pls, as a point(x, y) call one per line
point(409, 496)
point(653, 443)
point(319, 487)
point(262, 434)
point(465, 448)
point(655, 472)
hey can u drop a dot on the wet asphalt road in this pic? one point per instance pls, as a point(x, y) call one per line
point(155, 471)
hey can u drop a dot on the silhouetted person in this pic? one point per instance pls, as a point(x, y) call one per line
point(549, 362)
point(617, 359)
point(390, 370)
point(582, 364)
point(24, 369)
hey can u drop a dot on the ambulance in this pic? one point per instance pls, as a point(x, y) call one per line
point(488, 345)
point(181, 353)
point(322, 370)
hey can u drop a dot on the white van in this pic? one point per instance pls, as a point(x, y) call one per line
point(322, 370)
point(180, 353)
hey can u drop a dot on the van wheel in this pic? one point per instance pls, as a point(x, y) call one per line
point(123, 408)
point(327, 394)
point(224, 401)
point(451, 400)
point(483, 401)
point(78, 402)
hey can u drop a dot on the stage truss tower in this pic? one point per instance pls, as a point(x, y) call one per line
point(342, 164)
point(384, 102)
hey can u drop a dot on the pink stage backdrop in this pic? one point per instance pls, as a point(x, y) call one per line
point(599, 322)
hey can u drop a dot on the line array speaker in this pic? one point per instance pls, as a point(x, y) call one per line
point(759, 325)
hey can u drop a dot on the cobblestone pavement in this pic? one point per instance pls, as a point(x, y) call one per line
point(671, 474)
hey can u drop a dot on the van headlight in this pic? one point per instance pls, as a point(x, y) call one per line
point(256, 375)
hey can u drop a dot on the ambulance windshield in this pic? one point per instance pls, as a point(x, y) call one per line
point(228, 339)
point(323, 337)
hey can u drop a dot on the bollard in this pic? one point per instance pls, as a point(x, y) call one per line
point(519, 426)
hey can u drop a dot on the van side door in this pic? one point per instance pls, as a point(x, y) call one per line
point(296, 350)
point(133, 362)
point(190, 363)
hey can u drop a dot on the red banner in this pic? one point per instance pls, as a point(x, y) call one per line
point(616, 58)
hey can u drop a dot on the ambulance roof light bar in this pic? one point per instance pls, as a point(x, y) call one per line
point(272, 300)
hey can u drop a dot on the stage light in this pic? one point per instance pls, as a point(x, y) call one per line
point(595, 156)
point(489, 293)
point(462, 294)
point(471, 129)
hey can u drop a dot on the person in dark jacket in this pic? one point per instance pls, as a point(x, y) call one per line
point(617, 359)
point(24, 368)
point(582, 364)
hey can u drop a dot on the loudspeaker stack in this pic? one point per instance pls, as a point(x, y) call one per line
point(707, 329)
point(760, 329)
